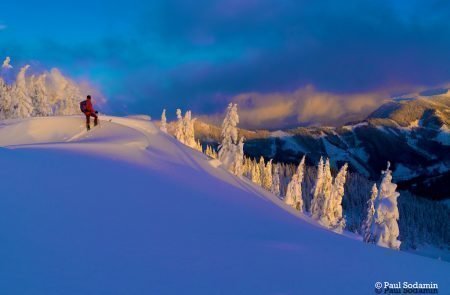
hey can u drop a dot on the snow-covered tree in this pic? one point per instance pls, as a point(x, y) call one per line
point(179, 129)
point(294, 189)
point(256, 173)
point(46, 94)
point(317, 197)
point(40, 97)
point(5, 100)
point(326, 205)
point(188, 130)
point(231, 152)
point(334, 216)
point(367, 224)
point(275, 188)
point(267, 178)
point(22, 104)
point(184, 130)
point(163, 122)
point(239, 158)
point(65, 94)
point(247, 168)
point(385, 229)
point(262, 169)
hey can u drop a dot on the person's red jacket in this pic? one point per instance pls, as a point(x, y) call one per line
point(89, 107)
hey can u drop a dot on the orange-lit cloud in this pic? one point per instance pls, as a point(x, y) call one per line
point(304, 106)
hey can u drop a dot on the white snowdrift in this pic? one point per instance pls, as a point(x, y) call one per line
point(125, 209)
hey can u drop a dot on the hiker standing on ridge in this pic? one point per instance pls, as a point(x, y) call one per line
point(87, 108)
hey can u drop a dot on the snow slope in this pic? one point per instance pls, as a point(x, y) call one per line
point(125, 209)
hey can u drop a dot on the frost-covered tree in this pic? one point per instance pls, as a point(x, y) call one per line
point(188, 130)
point(262, 169)
point(267, 178)
point(65, 94)
point(256, 173)
point(5, 100)
point(385, 229)
point(239, 158)
point(179, 128)
point(184, 130)
point(163, 122)
point(247, 170)
point(317, 191)
point(326, 205)
point(40, 97)
point(294, 189)
point(46, 94)
point(231, 150)
point(275, 188)
point(22, 104)
point(333, 209)
point(367, 224)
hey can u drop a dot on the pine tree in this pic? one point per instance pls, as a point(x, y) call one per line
point(336, 219)
point(267, 178)
point(66, 94)
point(275, 188)
point(188, 130)
point(326, 205)
point(256, 173)
point(231, 151)
point(5, 100)
point(238, 158)
point(262, 168)
point(385, 229)
point(42, 95)
point(317, 190)
point(39, 96)
point(294, 188)
point(246, 171)
point(367, 224)
point(179, 132)
point(163, 122)
point(22, 106)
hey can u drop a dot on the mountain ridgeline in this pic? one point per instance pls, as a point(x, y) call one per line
point(411, 132)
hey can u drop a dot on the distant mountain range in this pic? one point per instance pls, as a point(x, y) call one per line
point(410, 131)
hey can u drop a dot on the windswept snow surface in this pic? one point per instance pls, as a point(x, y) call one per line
point(125, 209)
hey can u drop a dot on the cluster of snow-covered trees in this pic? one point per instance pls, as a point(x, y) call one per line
point(45, 94)
point(184, 129)
point(325, 194)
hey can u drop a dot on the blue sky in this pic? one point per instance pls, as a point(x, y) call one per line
point(288, 55)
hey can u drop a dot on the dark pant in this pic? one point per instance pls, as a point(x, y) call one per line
point(88, 118)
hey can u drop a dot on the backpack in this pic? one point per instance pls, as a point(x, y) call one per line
point(83, 106)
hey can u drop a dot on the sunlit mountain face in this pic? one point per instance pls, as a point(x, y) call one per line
point(411, 130)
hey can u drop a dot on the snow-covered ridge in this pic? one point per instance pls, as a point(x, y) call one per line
point(125, 208)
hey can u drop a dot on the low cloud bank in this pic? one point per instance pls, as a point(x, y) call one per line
point(305, 106)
